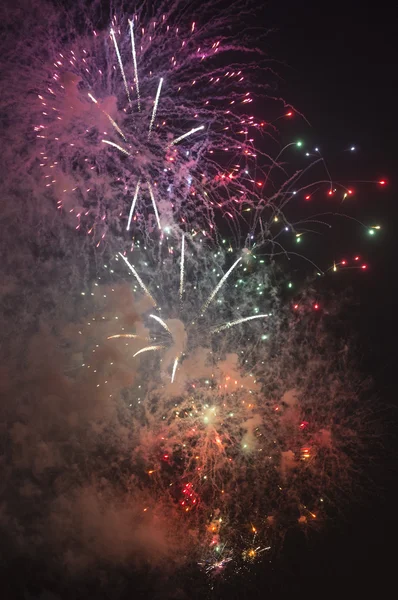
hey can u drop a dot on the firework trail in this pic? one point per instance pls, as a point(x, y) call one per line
point(137, 189)
point(138, 278)
point(137, 85)
point(219, 285)
point(182, 266)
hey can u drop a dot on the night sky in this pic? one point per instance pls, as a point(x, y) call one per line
point(342, 58)
point(340, 71)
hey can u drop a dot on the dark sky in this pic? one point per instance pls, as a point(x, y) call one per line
point(342, 75)
point(343, 59)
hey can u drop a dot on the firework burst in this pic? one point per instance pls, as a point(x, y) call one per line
point(149, 127)
point(132, 127)
point(229, 427)
point(228, 414)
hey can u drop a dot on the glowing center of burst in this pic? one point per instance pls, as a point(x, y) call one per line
point(210, 415)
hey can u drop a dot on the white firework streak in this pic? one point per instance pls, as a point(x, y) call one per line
point(155, 208)
point(148, 349)
point(182, 266)
point(237, 322)
point(126, 335)
point(137, 189)
point(174, 369)
point(116, 146)
point(138, 278)
point(115, 125)
point(155, 107)
point(121, 65)
point(135, 64)
point(162, 323)
point(219, 285)
point(186, 135)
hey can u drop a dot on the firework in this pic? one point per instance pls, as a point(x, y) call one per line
point(240, 424)
point(145, 124)
point(233, 431)
point(149, 83)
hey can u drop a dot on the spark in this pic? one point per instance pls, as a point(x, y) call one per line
point(137, 189)
point(155, 208)
point(155, 107)
point(191, 132)
point(126, 335)
point(219, 285)
point(115, 125)
point(217, 565)
point(162, 323)
point(174, 369)
point(135, 65)
point(116, 146)
point(182, 266)
point(119, 58)
point(138, 278)
point(237, 322)
point(148, 349)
